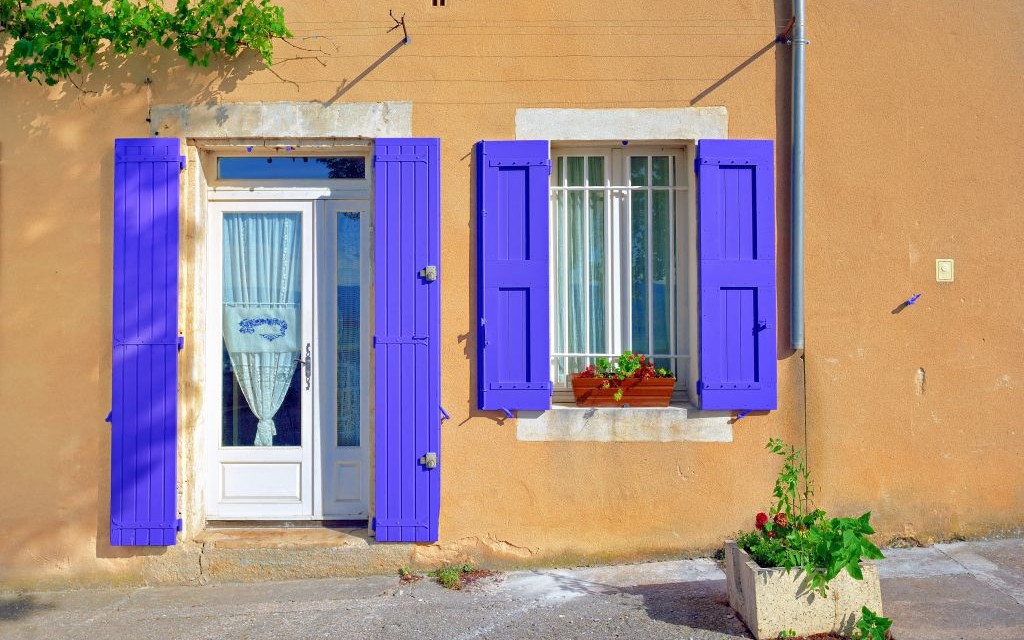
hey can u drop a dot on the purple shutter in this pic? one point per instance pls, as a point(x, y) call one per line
point(513, 342)
point(736, 209)
point(144, 388)
point(407, 201)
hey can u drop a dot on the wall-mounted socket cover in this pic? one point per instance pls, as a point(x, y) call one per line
point(944, 270)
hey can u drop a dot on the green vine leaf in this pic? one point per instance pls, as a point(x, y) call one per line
point(54, 41)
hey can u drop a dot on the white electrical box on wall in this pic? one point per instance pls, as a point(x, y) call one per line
point(944, 270)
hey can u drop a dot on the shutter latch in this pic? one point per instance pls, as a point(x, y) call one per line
point(429, 273)
point(429, 460)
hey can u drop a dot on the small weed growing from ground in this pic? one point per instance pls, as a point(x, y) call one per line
point(450, 576)
point(407, 576)
point(458, 576)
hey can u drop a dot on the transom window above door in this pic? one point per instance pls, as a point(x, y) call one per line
point(618, 230)
point(290, 167)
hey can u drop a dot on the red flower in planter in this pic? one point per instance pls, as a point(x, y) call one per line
point(760, 521)
point(780, 519)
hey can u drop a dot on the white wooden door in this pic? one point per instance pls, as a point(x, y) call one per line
point(345, 379)
point(261, 306)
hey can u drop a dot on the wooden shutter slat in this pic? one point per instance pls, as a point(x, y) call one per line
point(513, 342)
point(407, 206)
point(144, 376)
point(736, 246)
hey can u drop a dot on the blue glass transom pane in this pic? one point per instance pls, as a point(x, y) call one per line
point(292, 168)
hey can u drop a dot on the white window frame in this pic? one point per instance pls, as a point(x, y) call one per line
point(618, 209)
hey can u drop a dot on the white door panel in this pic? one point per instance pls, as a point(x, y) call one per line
point(261, 438)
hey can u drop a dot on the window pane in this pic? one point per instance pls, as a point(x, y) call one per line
point(660, 172)
point(661, 266)
point(262, 304)
point(638, 171)
point(292, 168)
point(595, 171)
point(638, 269)
point(598, 260)
point(561, 293)
point(348, 330)
point(577, 264)
point(575, 170)
point(561, 171)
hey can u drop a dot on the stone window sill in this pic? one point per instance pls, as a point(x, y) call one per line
point(675, 423)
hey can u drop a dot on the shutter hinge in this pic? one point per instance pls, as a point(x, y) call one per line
point(181, 342)
point(696, 165)
point(373, 523)
point(181, 163)
point(177, 524)
point(400, 157)
point(548, 164)
point(444, 414)
point(377, 340)
point(110, 417)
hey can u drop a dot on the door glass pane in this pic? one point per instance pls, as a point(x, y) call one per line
point(262, 323)
point(348, 342)
point(638, 270)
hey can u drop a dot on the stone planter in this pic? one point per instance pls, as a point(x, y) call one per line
point(771, 601)
point(653, 392)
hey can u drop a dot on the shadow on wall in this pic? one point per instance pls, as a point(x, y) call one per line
point(470, 339)
point(57, 212)
point(783, 60)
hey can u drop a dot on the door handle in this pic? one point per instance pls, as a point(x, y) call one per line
point(307, 362)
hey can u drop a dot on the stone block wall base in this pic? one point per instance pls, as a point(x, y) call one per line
point(771, 601)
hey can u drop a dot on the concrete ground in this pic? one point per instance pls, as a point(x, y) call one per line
point(963, 591)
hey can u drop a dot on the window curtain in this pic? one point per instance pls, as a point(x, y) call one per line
point(262, 302)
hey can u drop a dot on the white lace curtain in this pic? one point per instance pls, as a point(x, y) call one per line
point(262, 302)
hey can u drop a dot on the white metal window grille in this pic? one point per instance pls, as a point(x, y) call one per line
point(616, 256)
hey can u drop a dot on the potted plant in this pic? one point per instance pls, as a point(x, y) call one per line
point(799, 572)
point(631, 380)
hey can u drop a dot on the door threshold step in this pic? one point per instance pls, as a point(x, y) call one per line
point(283, 538)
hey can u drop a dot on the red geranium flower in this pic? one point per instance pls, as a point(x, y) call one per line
point(760, 521)
point(780, 519)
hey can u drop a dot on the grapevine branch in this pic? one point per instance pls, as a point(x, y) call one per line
point(52, 41)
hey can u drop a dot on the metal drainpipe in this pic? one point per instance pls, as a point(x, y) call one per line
point(796, 332)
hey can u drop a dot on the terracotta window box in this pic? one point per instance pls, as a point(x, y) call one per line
point(771, 601)
point(636, 392)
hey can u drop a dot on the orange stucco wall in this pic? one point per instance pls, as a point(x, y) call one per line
point(913, 153)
